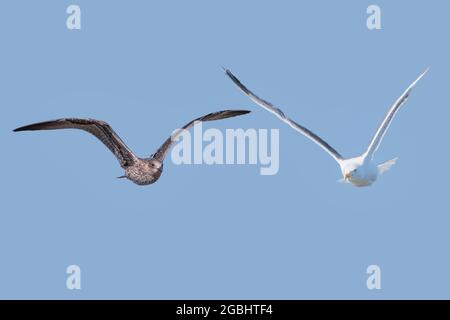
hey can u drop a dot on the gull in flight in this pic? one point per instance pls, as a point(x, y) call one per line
point(360, 171)
point(141, 171)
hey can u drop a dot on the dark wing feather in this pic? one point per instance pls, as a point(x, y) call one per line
point(99, 129)
point(162, 151)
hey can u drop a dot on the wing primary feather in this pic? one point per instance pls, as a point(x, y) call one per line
point(384, 126)
point(100, 129)
point(161, 153)
point(280, 114)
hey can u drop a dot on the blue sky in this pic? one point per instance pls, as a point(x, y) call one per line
point(223, 231)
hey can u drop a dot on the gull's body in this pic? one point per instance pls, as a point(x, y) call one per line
point(141, 171)
point(365, 175)
point(360, 171)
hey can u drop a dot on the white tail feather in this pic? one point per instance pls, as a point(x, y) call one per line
point(385, 166)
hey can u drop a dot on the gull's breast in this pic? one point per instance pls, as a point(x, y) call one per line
point(363, 181)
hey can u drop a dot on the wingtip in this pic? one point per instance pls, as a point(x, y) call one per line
point(229, 73)
point(426, 70)
point(419, 77)
point(23, 128)
point(236, 112)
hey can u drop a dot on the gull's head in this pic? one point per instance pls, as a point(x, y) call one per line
point(358, 172)
point(352, 168)
point(351, 173)
point(155, 166)
point(347, 175)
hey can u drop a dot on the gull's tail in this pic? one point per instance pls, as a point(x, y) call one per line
point(385, 166)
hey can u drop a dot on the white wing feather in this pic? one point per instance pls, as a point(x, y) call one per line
point(381, 131)
point(278, 113)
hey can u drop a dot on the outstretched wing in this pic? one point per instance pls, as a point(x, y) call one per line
point(162, 151)
point(381, 131)
point(277, 112)
point(99, 129)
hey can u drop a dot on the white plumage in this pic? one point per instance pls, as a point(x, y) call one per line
point(360, 171)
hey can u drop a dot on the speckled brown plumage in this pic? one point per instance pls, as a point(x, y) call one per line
point(142, 171)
